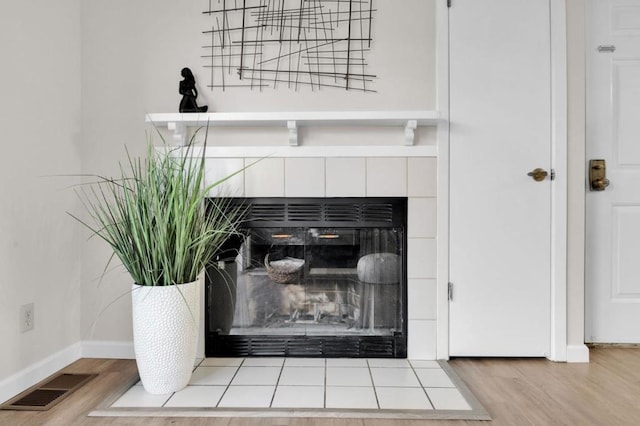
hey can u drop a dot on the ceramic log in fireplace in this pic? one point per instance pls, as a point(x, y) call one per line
point(319, 277)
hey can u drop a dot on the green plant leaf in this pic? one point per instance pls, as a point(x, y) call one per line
point(157, 215)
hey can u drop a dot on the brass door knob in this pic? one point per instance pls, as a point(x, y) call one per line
point(599, 184)
point(538, 174)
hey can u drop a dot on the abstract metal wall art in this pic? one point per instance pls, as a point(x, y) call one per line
point(289, 43)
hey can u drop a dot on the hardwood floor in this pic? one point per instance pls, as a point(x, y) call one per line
point(514, 391)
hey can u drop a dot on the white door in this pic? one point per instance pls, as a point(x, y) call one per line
point(612, 264)
point(500, 218)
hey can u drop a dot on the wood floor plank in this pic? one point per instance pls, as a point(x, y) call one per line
point(514, 391)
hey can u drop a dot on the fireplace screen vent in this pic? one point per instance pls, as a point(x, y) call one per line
point(304, 212)
point(307, 346)
point(377, 213)
point(312, 277)
point(343, 213)
point(267, 212)
point(331, 211)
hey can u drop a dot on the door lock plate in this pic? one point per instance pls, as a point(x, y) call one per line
point(598, 175)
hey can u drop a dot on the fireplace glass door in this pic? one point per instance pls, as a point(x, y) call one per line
point(318, 281)
point(298, 290)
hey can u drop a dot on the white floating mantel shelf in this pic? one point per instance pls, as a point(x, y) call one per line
point(180, 123)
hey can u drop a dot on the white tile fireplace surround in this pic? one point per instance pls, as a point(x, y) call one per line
point(317, 176)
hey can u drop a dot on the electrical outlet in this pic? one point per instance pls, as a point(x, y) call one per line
point(27, 317)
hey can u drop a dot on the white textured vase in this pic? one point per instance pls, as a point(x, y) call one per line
point(165, 334)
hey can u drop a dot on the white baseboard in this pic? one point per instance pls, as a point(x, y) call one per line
point(577, 353)
point(108, 349)
point(27, 377)
point(119, 349)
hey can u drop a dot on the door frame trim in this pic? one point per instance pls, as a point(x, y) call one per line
point(442, 254)
point(558, 253)
point(558, 343)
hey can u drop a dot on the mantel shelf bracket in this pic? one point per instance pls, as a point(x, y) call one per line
point(293, 132)
point(410, 132)
point(179, 132)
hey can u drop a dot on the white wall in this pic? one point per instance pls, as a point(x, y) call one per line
point(132, 55)
point(40, 120)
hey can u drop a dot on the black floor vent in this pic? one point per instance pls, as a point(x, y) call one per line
point(45, 395)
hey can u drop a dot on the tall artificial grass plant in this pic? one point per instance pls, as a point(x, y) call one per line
point(157, 216)
point(160, 222)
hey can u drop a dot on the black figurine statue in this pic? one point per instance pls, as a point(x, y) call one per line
point(189, 93)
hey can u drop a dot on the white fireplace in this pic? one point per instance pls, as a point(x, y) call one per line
point(414, 177)
point(346, 154)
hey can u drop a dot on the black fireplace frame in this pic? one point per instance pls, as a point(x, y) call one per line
point(353, 212)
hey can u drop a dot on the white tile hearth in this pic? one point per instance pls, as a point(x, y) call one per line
point(298, 397)
point(202, 396)
point(312, 383)
point(403, 398)
point(248, 397)
point(434, 378)
point(342, 376)
point(257, 376)
point(351, 397)
point(213, 375)
point(302, 376)
point(394, 377)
